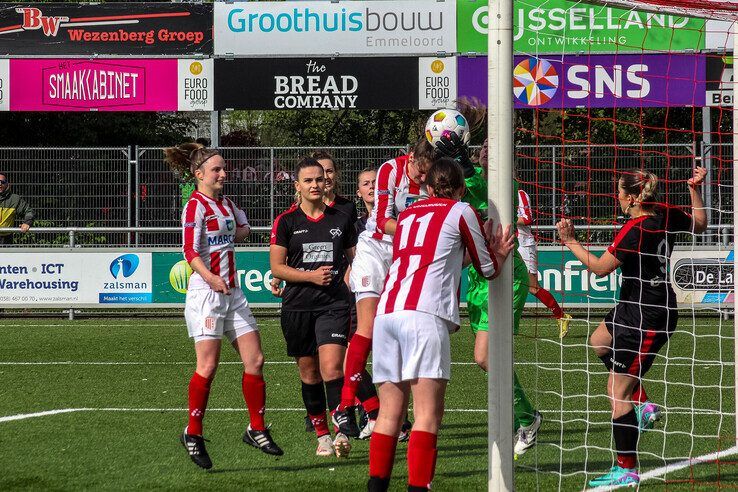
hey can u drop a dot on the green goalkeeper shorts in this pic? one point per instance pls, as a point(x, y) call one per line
point(478, 294)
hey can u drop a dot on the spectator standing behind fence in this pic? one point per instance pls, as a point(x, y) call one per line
point(12, 209)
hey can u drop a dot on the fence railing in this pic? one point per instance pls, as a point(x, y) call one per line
point(104, 193)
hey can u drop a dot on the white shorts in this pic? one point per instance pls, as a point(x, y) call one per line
point(370, 266)
point(210, 314)
point(409, 345)
point(530, 257)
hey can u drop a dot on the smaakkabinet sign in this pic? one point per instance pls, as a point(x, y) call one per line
point(333, 28)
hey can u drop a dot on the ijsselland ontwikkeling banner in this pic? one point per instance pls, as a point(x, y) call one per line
point(559, 272)
point(560, 26)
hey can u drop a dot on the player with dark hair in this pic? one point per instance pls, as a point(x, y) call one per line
point(400, 183)
point(312, 245)
point(646, 314)
point(215, 307)
point(418, 310)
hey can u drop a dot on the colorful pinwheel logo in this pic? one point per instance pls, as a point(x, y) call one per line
point(535, 81)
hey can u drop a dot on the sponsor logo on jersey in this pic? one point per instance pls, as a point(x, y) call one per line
point(229, 224)
point(410, 200)
point(336, 232)
point(338, 335)
point(317, 252)
point(220, 239)
point(301, 231)
point(189, 224)
point(382, 192)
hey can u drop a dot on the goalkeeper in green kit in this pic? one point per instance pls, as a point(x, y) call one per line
point(527, 419)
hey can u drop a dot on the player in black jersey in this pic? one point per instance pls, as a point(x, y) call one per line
point(331, 196)
point(646, 315)
point(311, 248)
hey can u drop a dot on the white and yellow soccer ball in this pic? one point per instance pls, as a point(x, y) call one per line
point(444, 122)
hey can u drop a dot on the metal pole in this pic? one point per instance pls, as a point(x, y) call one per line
point(735, 229)
point(707, 158)
point(553, 185)
point(130, 159)
point(215, 129)
point(499, 189)
point(137, 178)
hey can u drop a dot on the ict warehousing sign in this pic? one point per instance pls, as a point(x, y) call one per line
point(594, 81)
point(316, 83)
point(719, 80)
point(48, 84)
point(560, 26)
point(304, 28)
point(70, 29)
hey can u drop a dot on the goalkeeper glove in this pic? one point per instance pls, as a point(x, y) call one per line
point(452, 146)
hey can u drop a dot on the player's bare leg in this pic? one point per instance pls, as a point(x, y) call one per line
point(481, 345)
point(428, 402)
point(548, 300)
point(393, 399)
point(208, 353)
point(248, 347)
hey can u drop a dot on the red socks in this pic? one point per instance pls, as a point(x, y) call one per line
point(254, 393)
point(421, 459)
point(198, 393)
point(356, 356)
point(320, 424)
point(547, 299)
point(625, 460)
point(639, 395)
point(370, 405)
point(381, 454)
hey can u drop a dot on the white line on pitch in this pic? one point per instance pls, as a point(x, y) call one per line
point(22, 416)
point(672, 467)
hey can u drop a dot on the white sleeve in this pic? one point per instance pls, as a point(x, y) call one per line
point(470, 226)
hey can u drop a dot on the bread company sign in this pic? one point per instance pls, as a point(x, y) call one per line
point(146, 28)
point(316, 83)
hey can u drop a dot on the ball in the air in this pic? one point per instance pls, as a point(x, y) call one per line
point(445, 121)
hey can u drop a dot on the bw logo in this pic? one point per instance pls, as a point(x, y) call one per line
point(336, 232)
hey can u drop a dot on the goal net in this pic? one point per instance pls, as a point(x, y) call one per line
point(600, 89)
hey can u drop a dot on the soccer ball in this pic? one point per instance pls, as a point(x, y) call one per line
point(445, 121)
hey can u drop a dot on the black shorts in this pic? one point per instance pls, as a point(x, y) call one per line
point(305, 331)
point(638, 333)
point(354, 320)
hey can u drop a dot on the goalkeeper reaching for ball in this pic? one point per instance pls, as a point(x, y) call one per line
point(527, 420)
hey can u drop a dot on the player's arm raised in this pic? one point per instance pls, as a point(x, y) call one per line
point(600, 266)
point(385, 198)
point(699, 213)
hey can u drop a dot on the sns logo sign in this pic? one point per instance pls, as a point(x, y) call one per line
point(33, 19)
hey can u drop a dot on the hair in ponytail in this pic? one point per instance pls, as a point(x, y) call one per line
point(187, 158)
point(445, 177)
point(644, 185)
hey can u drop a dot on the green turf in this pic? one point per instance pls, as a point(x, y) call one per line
point(136, 449)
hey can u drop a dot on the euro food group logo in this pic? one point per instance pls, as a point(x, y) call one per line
point(179, 276)
point(535, 81)
point(196, 68)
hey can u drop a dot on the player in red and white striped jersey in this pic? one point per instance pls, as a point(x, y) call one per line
point(419, 308)
point(400, 182)
point(215, 306)
point(529, 252)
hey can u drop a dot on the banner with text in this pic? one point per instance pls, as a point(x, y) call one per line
point(719, 80)
point(115, 28)
point(309, 28)
point(316, 83)
point(73, 278)
point(106, 85)
point(436, 82)
point(595, 81)
point(561, 26)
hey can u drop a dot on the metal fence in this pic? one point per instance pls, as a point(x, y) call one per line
point(122, 187)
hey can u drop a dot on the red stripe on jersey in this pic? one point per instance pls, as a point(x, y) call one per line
point(525, 206)
point(413, 188)
point(316, 219)
point(189, 232)
point(401, 167)
point(468, 241)
point(221, 207)
point(401, 274)
point(381, 194)
point(215, 263)
point(231, 270)
point(427, 254)
point(621, 234)
point(645, 350)
point(273, 237)
point(204, 201)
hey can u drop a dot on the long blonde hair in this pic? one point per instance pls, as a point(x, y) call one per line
point(643, 184)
